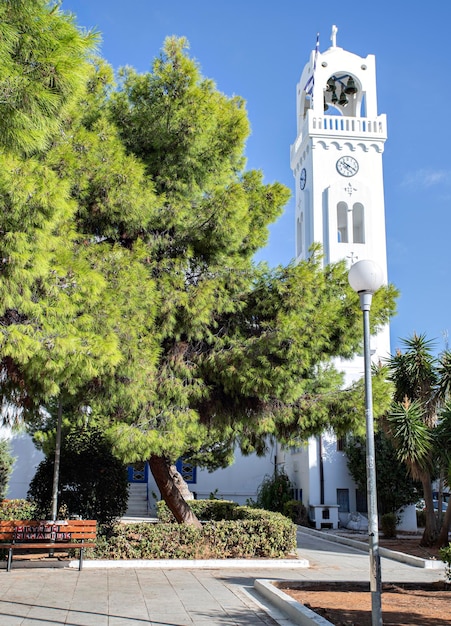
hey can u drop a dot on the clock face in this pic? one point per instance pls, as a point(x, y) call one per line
point(347, 166)
point(303, 178)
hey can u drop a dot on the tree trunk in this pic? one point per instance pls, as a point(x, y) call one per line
point(430, 533)
point(169, 482)
point(443, 539)
point(56, 467)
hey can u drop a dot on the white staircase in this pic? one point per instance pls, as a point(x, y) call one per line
point(137, 501)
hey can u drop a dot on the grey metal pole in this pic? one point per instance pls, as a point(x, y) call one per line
point(373, 528)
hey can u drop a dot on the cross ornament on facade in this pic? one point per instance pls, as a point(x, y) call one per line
point(352, 257)
point(349, 189)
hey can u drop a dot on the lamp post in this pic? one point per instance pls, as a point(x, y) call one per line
point(365, 277)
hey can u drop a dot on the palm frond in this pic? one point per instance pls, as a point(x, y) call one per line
point(411, 435)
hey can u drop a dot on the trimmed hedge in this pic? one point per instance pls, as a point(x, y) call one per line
point(229, 531)
point(252, 533)
point(205, 510)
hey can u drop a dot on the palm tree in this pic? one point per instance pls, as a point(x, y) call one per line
point(443, 446)
point(422, 383)
point(413, 441)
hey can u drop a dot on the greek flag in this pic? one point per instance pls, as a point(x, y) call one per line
point(311, 81)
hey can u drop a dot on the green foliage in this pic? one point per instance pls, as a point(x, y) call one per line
point(414, 371)
point(388, 525)
point(297, 512)
point(413, 436)
point(274, 492)
point(206, 510)
point(43, 65)
point(93, 483)
point(6, 466)
point(251, 534)
point(445, 555)
point(17, 509)
point(395, 488)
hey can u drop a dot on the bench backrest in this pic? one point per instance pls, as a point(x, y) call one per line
point(38, 530)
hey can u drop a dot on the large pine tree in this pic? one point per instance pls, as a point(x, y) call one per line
point(129, 281)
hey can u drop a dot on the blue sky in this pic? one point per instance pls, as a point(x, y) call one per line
point(257, 49)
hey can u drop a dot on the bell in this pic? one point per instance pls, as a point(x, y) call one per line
point(331, 85)
point(350, 88)
point(343, 101)
point(334, 98)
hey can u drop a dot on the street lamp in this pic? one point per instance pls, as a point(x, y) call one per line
point(365, 277)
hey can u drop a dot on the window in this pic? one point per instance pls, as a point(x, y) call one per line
point(341, 444)
point(343, 500)
point(342, 222)
point(350, 220)
point(358, 223)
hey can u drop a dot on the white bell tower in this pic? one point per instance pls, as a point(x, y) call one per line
point(337, 164)
point(337, 158)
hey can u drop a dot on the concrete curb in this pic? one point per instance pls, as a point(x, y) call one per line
point(415, 561)
point(296, 611)
point(193, 564)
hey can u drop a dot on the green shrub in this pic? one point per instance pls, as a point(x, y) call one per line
point(445, 555)
point(92, 483)
point(205, 510)
point(17, 509)
point(388, 525)
point(253, 533)
point(274, 492)
point(296, 512)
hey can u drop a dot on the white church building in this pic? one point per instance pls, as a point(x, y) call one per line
point(336, 160)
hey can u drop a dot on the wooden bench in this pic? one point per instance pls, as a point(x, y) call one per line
point(47, 535)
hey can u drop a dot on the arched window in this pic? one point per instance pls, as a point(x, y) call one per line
point(342, 222)
point(358, 223)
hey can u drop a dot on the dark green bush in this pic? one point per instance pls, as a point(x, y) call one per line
point(296, 512)
point(93, 482)
point(253, 533)
point(274, 492)
point(445, 555)
point(17, 509)
point(388, 525)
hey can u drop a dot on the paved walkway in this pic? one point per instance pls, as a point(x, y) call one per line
point(40, 596)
